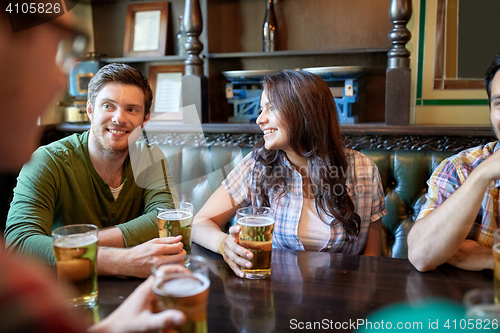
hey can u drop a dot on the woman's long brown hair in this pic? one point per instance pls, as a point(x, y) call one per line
point(309, 113)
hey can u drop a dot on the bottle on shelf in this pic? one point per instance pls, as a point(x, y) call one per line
point(269, 29)
point(180, 39)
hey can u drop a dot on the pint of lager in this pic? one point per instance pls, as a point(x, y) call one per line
point(75, 250)
point(176, 219)
point(187, 292)
point(480, 305)
point(256, 235)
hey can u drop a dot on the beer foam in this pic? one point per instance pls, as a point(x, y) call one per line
point(183, 285)
point(255, 221)
point(182, 216)
point(77, 240)
point(175, 215)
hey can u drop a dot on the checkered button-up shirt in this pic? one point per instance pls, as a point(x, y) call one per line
point(365, 189)
point(450, 175)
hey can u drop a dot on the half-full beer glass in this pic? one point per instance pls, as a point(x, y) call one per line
point(496, 257)
point(185, 291)
point(75, 250)
point(256, 235)
point(480, 304)
point(176, 219)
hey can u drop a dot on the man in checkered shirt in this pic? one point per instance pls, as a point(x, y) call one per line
point(457, 222)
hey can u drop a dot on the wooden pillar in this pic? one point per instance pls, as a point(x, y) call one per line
point(398, 74)
point(194, 83)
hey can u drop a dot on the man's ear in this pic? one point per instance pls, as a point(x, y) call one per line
point(89, 110)
point(146, 119)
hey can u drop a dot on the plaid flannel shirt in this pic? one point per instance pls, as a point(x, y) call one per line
point(450, 175)
point(365, 189)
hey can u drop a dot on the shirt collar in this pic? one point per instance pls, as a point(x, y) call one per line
point(287, 163)
point(497, 147)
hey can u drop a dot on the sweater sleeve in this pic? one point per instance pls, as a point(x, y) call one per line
point(30, 217)
point(139, 230)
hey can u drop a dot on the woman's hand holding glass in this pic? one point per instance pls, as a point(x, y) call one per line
point(236, 256)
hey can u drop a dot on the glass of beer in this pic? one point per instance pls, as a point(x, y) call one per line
point(75, 250)
point(480, 304)
point(186, 291)
point(496, 257)
point(256, 235)
point(176, 219)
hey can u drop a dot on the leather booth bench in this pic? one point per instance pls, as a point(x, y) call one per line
point(199, 171)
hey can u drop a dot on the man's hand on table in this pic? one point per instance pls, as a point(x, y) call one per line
point(137, 261)
point(472, 257)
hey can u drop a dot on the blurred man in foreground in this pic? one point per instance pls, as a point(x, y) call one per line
point(29, 298)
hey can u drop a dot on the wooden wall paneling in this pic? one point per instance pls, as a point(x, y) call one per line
point(336, 24)
point(106, 15)
point(219, 109)
point(235, 26)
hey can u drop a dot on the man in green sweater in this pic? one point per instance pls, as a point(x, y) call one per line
point(88, 178)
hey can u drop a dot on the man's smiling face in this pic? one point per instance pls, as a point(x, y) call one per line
point(117, 111)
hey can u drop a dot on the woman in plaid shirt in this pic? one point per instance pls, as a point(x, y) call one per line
point(324, 197)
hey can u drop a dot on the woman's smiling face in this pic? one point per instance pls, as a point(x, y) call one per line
point(275, 134)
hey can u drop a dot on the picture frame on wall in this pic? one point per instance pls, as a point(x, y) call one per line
point(146, 30)
point(166, 83)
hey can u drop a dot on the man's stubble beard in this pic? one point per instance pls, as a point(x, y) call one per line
point(103, 146)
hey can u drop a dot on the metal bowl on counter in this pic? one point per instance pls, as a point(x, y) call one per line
point(248, 75)
point(336, 71)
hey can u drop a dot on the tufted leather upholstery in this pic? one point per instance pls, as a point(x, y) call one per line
point(199, 171)
point(404, 175)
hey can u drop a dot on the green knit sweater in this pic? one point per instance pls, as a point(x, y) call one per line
point(59, 186)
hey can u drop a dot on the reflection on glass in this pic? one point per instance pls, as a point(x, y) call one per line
point(90, 315)
point(286, 270)
point(252, 306)
point(480, 304)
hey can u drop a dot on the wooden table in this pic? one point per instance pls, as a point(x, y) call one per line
point(309, 287)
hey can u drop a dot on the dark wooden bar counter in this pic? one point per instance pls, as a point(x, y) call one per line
point(310, 287)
